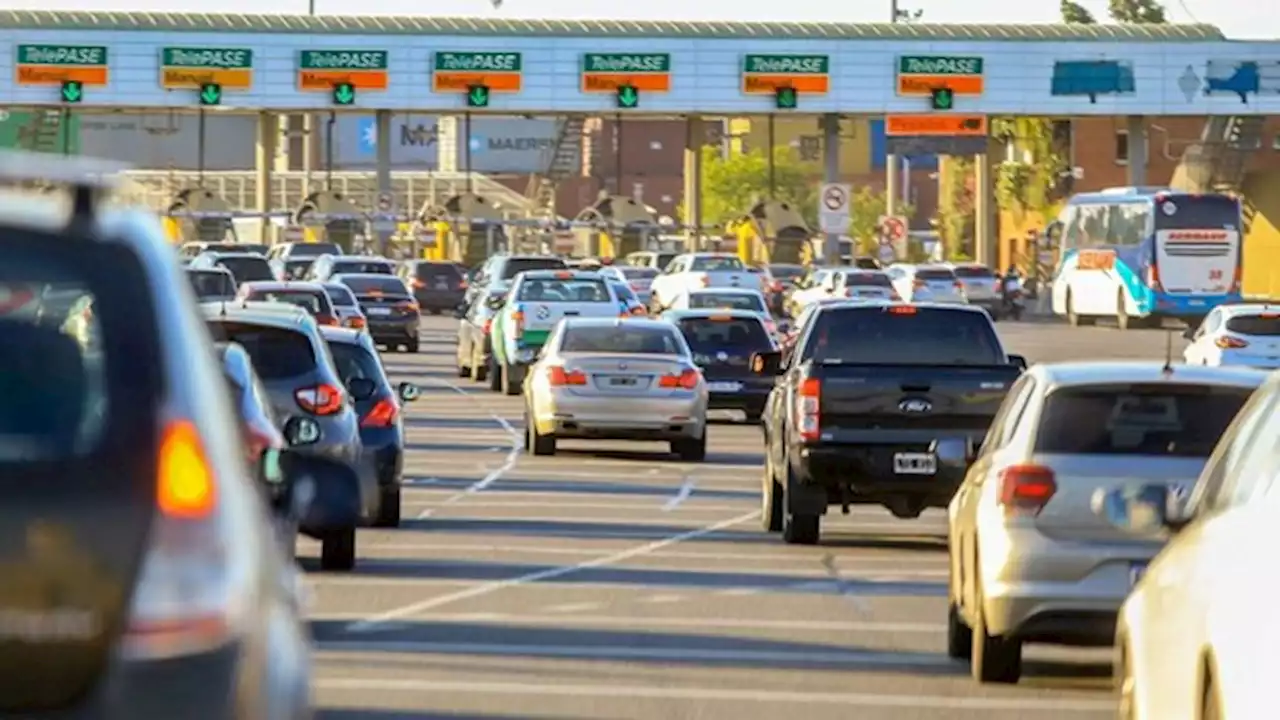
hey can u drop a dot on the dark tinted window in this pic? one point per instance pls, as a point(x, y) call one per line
point(1261, 324)
point(340, 295)
point(620, 339)
point(935, 274)
point(211, 283)
point(903, 335)
point(726, 301)
point(255, 249)
point(314, 250)
point(277, 352)
point(247, 269)
point(664, 259)
point(354, 361)
point(515, 266)
point(1204, 212)
point(372, 267)
point(717, 263)
point(786, 272)
point(371, 285)
point(312, 302)
point(1183, 421)
point(866, 263)
point(432, 271)
point(974, 272)
point(639, 273)
point(706, 335)
point(296, 269)
point(867, 279)
point(586, 289)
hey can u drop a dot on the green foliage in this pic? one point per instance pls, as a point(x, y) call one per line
point(1023, 187)
point(731, 186)
point(1075, 13)
point(866, 207)
point(955, 206)
point(1137, 12)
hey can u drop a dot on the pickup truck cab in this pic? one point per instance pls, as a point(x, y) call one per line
point(879, 403)
point(699, 271)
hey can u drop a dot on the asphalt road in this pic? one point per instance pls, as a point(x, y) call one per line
point(613, 581)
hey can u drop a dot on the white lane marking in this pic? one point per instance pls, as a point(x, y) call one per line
point(933, 566)
point(476, 591)
point(668, 692)
point(483, 483)
point(661, 599)
point(686, 489)
point(644, 621)
point(565, 608)
point(740, 591)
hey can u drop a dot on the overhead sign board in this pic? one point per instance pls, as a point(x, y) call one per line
point(184, 68)
point(458, 72)
point(766, 74)
point(322, 70)
point(919, 75)
point(607, 72)
point(924, 125)
point(58, 64)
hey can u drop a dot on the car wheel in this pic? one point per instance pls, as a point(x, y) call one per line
point(691, 449)
point(801, 529)
point(1122, 313)
point(754, 416)
point(479, 371)
point(412, 346)
point(994, 659)
point(495, 376)
point(338, 550)
point(537, 443)
point(959, 635)
point(772, 505)
point(464, 370)
point(388, 508)
point(510, 380)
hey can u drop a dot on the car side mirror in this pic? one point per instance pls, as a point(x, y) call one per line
point(1142, 510)
point(301, 431)
point(1019, 362)
point(1189, 333)
point(361, 388)
point(407, 391)
point(494, 303)
point(767, 364)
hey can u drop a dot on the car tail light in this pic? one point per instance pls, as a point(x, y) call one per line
point(382, 415)
point(327, 320)
point(517, 322)
point(686, 380)
point(1230, 343)
point(638, 310)
point(190, 593)
point(356, 323)
point(808, 411)
point(462, 285)
point(1026, 488)
point(407, 306)
point(560, 377)
point(777, 286)
point(771, 327)
point(418, 284)
point(321, 399)
point(959, 286)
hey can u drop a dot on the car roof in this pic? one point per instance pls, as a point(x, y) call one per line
point(1249, 308)
point(237, 255)
point(365, 276)
point(616, 322)
point(700, 313)
point(362, 258)
point(283, 285)
point(1104, 372)
point(281, 315)
point(346, 336)
point(209, 270)
point(554, 274)
point(948, 307)
point(722, 291)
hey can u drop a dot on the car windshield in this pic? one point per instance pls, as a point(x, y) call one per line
point(211, 283)
point(576, 290)
point(621, 338)
point(935, 274)
point(309, 301)
point(515, 266)
point(719, 333)
point(903, 335)
point(374, 285)
point(372, 267)
point(247, 269)
point(717, 263)
point(297, 269)
point(974, 272)
point(312, 250)
point(726, 301)
point(786, 273)
point(354, 361)
point(1137, 419)
point(277, 353)
point(867, 279)
point(1260, 324)
point(638, 273)
point(430, 273)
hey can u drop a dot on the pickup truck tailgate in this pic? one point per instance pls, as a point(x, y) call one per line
point(907, 403)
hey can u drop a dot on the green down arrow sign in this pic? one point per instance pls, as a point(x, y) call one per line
point(72, 91)
point(628, 96)
point(210, 94)
point(344, 94)
point(478, 96)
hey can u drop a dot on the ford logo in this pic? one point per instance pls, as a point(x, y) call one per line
point(915, 405)
point(722, 356)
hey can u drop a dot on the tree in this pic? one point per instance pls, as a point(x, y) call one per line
point(866, 207)
point(1137, 12)
point(1075, 13)
point(732, 185)
point(956, 204)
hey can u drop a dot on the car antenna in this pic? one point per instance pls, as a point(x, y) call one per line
point(224, 308)
point(1168, 354)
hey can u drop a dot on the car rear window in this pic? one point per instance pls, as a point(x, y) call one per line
point(974, 272)
point(621, 339)
point(903, 335)
point(312, 250)
point(340, 295)
point(211, 283)
point(726, 301)
point(585, 289)
point(638, 273)
point(1260, 324)
point(429, 272)
point(247, 269)
point(706, 335)
point(935, 274)
point(255, 249)
point(296, 269)
point(786, 272)
point(515, 266)
point(718, 263)
point(866, 263)
point(277, 353)
point(372, 267)
point(1137, 419)
point(310, 301)
point(72, 316)
point(354, 361)
point(369, 285)
point(867, 279)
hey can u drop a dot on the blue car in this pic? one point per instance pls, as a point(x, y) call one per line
point(722, 342)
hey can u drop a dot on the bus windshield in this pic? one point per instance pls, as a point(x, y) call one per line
point(1201, 212)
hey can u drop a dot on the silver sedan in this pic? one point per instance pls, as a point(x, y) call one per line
point(616, 379)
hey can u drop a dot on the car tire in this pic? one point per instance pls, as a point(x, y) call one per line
point(412, 346)
point(479, 370)
point(772, 501)
point(495, 376)
point(994, 659)
point(959, 635)
point(801, 529)
point(464, 370)
point(388, 508)
point(537, 443)
point(1123, 321)
point(338, 550)
point(510, 383)
point(754, 416)
point(691, 449)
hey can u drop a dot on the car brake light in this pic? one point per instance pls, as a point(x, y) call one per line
point(1026, 488)
point(189, 595)
point(686, 380)
point(559, 377)
point(321, 399)
point(327, 320)
point(382, 415)
point(808, 411)
point(638, 311)
point(1230, 343)
point(408, 306)
point(462, 285)
point(356, 322)
point(418, 283)
point(1153, 277)
point(959, 286)
point(901, 310)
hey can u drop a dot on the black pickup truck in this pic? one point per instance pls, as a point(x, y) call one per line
point(879, 404)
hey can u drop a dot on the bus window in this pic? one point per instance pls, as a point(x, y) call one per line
point(1071, 228)
point(1093, 225)
point(1129, 223)
point(1204, 212)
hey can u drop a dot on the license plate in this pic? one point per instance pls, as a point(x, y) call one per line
point(1136, 571)
point(442, 285)
point(622, 381)
point(726, 387)
point(379, 311)
point(915, 464)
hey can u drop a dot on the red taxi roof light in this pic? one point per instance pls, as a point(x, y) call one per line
point(902, 310)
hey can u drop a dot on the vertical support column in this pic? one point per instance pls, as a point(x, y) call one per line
point(984, 225)
point(310, 149)
point(383, 171)
point(831, 174)
point(264, 164)
point(693, 139)
point(448, 144)
point(891, 183)
point(1137, 128)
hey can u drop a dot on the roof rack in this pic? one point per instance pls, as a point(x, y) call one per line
point(87, 179)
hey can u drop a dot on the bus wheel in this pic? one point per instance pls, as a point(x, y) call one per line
point(1073, 318)
point(1122, 314)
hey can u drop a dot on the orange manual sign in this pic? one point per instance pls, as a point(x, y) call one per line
point(935, 125)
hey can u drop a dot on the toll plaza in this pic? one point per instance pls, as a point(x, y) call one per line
point(936, 86)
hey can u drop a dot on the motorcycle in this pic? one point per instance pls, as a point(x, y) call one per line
point(1012, 303)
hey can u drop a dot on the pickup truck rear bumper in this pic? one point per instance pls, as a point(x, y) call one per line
point(864, 474)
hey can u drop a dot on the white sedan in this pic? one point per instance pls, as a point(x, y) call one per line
point(1247, 334)
point(927, 283)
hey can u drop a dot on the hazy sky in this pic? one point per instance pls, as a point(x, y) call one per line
point(1252, 19)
